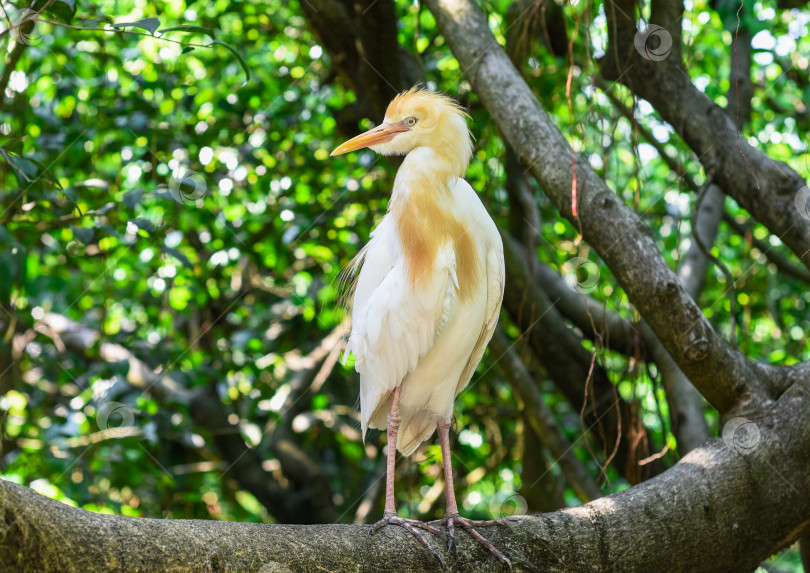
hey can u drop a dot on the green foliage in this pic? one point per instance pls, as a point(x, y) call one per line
point(171, 191)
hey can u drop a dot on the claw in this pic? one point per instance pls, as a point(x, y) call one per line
point(410, 526)
point(469, 525)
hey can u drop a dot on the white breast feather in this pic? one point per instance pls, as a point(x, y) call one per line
point(393, 323)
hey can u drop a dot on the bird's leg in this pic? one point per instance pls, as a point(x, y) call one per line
point(452, 517)
point(393, 430)
point(390, 516)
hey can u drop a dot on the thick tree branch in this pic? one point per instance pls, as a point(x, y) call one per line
point(765, 187)
point(624, 242)
point(574, 370)
point(361, 38)
point(781, 262)
point(780, 379)
point(714, 510)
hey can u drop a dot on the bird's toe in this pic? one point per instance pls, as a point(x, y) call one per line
point(410, 525)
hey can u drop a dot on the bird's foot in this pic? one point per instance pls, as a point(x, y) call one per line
point(411, 525)
point(450, 522)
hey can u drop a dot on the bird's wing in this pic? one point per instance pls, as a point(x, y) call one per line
point(495, 283)
point(394, 322)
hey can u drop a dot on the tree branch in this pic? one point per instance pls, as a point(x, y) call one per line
point(585, 312)
point(574, 370)
point(624, 242)
point(765, 187)
point(361, 38)
point(781, 262)
point(695, 507)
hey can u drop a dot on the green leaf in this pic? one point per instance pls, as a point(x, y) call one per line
point(64, 10)
point(144, 224)
point(233, 50)
point(187, 49)
point(44, 173)
point(71, 194)
point(177, 255)
point(131, 198)
point(189, 28)
point(149, 24)
point(319, 402)
point(29, 170)
point(83, 234)
point(26, 173)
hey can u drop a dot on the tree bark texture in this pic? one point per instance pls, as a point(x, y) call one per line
point(712, 511)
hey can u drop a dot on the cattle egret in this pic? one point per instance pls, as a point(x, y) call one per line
point(428, 295)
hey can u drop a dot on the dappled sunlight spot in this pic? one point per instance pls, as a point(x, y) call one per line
point(252, 433)
point(472, 499)
point(470, 438)
point(703, 457)
point(301, 423)
point(18, 81)
point(219, 258)
point(225, 186)
point(603, 505)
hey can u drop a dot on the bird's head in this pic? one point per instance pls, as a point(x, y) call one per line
point(420, 118)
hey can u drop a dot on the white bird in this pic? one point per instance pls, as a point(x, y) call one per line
point(428, 294)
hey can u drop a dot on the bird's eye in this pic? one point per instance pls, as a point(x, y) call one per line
point(410, 121)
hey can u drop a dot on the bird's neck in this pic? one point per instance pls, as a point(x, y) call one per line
point(426, 170)
point(422, 207)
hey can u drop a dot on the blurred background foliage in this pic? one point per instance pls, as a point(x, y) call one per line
point(172, 227)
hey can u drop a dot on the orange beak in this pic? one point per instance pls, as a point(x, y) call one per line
point(380, 134)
